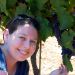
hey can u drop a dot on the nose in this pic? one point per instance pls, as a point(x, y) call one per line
point(26, 44)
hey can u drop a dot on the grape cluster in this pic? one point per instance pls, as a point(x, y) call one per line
point(73, 43)
point(67, 51)
point(56, 27)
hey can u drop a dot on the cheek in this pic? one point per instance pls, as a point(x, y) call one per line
point(32, 50)
point(15, 43)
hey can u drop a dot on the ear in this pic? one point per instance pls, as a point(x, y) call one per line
point(5, 34)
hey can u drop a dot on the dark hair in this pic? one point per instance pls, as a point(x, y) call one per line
point(22, 20)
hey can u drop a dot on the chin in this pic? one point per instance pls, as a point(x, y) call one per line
point(22, 58)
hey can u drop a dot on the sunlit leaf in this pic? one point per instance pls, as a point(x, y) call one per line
point(72, 3)
point(3, 6)
point(67, 63)
point(4, 21)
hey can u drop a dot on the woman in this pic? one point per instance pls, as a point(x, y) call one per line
point(20, 41)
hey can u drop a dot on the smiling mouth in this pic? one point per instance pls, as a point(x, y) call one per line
point(23, 52)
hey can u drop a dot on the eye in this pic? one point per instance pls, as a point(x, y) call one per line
point(22, 38)
point(33, 42)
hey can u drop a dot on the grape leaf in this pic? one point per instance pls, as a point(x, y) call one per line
point(36, 6)
point(72, 3)
point(57, 3)
point(65, 19)
point(10, 4)
point(45, 29)
point(21, 9)
point(67, 38)
point(32, 4)
point(37, 3)
point(62, 14)
point(4, 20)
point(67, 62)
point(3, 6)
point(41, 3)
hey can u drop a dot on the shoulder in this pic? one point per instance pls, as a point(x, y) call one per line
point(2, 61)
point(1, 55)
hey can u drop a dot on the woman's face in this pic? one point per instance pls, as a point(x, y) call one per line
point(22, 43)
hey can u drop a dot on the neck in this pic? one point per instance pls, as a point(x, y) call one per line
point(11, 68)
point(11, 62)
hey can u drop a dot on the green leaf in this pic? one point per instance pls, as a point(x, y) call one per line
point(33, 8)
point(72, 3)
point(40, 3)
point(4, 21)
point(36, 6)
point(67, 38)
point(37, 3)
point(67, 62)
point(3, 6)
point(64, 17)
point(57, 3)
point(21, 9)
point(45, 29)
point(11, 12)
point(66, 20)
point(10, 3)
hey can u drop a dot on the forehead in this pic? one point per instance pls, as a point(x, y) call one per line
point(27, 30)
